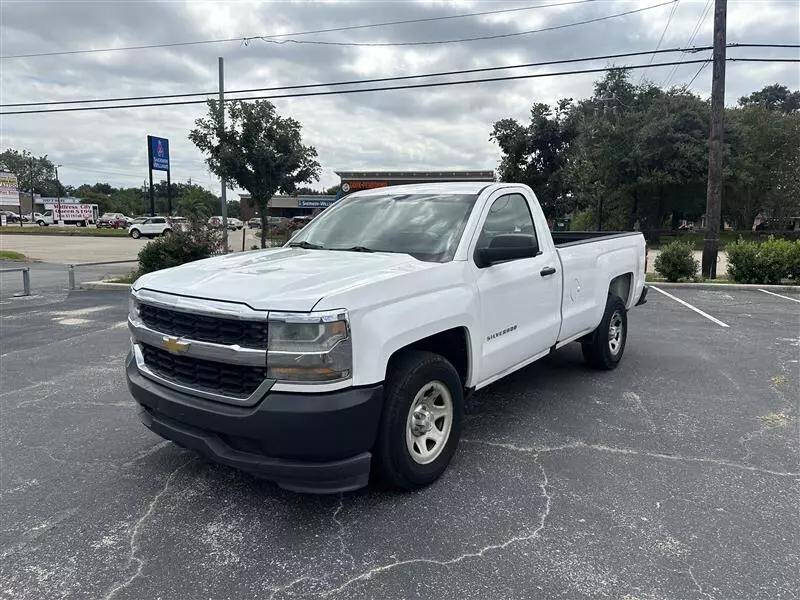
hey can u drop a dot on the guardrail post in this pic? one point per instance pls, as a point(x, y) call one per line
point(26, 281)
point(71, 269)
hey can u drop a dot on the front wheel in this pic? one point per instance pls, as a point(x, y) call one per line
point(421, 421)
point(603, 349)
point(136, 234)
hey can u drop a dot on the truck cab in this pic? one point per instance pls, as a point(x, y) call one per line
point(351, 349)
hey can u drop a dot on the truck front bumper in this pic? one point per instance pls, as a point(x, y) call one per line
point(317, 443)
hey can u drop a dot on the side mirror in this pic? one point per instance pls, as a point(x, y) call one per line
point(502, 248)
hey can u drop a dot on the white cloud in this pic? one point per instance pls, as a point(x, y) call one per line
point(413, 129)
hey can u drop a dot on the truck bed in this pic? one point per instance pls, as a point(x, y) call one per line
point(562, 239)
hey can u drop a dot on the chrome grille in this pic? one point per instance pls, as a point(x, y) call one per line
point(238, 381)
point(248, 334)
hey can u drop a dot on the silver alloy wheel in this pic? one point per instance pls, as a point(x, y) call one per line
point(429, 421)
point(615, 332)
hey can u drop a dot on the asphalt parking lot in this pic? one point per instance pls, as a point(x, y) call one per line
point(676, 476)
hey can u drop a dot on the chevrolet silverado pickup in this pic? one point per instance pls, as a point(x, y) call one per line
point(351, 348)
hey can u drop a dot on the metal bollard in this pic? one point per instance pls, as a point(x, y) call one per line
point(26, 281)
point(71, 269)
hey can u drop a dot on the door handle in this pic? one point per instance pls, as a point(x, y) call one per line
point(547, 271)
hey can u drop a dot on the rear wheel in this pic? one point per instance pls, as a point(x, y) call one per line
point(166, 232)
point(421, 421)
point(603, 349)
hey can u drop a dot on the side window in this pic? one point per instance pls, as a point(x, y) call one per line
point(508, 215)
point(158, 220)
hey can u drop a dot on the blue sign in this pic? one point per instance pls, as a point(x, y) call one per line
point(159, 153)
point(315, 203)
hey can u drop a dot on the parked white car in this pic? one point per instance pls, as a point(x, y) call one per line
point(150, 227)
point(354, 346)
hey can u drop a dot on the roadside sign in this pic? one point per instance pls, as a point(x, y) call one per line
point(9, 194)
point(315, 203)
point(159, 153)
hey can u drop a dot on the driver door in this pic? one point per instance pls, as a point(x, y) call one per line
point(520, 300)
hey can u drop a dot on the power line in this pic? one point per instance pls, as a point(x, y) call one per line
point(399, 77)
point(246, 39)
point(689, 42)
point(360, 81)
point(663, 33)
point(389, 88)
point(703, 66)
point(472, 39)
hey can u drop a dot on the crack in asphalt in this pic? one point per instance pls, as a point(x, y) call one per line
point(134, 547)
point(340, 535)
point(369, 574)
point(697, 583)
point(631, 452)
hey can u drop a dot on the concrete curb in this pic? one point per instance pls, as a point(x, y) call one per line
point(104, 285)
point(724, 286)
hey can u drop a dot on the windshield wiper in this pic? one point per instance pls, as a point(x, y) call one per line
point(306, 245)
point(354, 249)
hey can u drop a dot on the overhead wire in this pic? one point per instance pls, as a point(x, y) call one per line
point(690, 41)
point(475, 38)
point(661, 39)
point(395, 78)
point(246, 39)
point(388, 88)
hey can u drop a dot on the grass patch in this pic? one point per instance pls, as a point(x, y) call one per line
point(54, 230)
point(773, 420)
point(654, 278)
point(129, 278)
point(11, 255)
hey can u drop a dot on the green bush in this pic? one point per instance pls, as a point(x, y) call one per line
point(179, 247)
point(676, 261)
point(583, 220)
point(764, 262)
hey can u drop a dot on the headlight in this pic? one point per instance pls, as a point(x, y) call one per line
point(133, 309)
point(309, 347)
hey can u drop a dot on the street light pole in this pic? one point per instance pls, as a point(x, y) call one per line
point(224, 199)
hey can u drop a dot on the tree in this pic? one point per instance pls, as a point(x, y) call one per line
point(19, 163)
point(257, 149)
point(536, 154)
point(773, 97)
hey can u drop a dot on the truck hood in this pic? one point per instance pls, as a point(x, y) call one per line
point(285, 279)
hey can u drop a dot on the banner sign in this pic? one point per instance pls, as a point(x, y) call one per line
point(9, 194)
point(159, 153)
point(315, 203)
point(72, 212)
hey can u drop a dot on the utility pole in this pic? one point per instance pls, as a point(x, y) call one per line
point(58, 194)
point(714, 191)
point(20, 212)
point(221, 133)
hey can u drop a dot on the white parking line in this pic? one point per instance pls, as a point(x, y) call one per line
point(694, 308)
point(778, 295)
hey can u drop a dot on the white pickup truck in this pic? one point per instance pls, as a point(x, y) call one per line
point(352, 347)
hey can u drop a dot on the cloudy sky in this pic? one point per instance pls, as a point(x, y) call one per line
point(400, 130)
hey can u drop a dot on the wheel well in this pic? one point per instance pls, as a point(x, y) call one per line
point(621, 286)
point(452, 344)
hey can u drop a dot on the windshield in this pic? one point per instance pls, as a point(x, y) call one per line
point(426, 226)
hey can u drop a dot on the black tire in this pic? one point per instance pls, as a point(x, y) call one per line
point(135, 234)
point(597, 347)
point(166, 232)
point(41, 223)
point(408, 374)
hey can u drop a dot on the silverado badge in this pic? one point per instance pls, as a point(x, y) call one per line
point(174, 345)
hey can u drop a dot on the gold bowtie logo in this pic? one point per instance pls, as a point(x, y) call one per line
point(174, 345)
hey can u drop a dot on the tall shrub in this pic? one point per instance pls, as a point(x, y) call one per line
point(676, 261)
point(764, 262)
point(179, 247)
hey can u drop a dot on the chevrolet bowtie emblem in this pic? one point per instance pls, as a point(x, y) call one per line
point(174, 345)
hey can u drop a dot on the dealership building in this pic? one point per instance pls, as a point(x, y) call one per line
point(353, 181)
